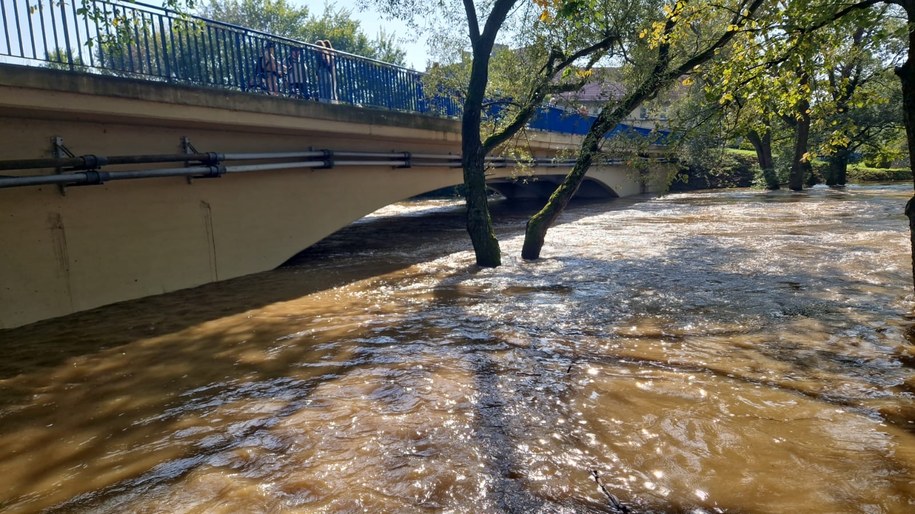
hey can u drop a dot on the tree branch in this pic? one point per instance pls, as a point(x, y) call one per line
point(472, 22)
point(540, 90)
point(495, 19)
point(865, 4)
point(738, 20)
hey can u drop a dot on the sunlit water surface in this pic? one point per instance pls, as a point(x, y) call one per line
point(735, 351)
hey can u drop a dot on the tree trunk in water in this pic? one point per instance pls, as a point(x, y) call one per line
point(763, 146)
point(906, 74)
point(473, 157)
point(842, 176)
point(810, 178)
point(799, 164)
point(538, 224)
point(479, 222)
point(838, 167)
point(661, 76)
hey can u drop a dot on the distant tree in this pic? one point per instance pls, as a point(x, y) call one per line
point(181, 49)
point(281, 18)
point(766, 80)
point(826, 86)
point(277, 17)
point(345, 33)
point(59, 60)
point(174, 46)
point(859, 103)
point(888, 151)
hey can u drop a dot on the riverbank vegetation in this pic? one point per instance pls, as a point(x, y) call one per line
point(865, 174)
point(739, 168)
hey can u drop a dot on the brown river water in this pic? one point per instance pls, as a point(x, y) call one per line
point(734, 351)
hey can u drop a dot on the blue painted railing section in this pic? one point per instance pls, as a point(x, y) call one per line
point(110, 37)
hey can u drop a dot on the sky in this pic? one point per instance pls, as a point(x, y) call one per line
point(372, 22)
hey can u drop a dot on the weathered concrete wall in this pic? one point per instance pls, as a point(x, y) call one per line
point(102, 244)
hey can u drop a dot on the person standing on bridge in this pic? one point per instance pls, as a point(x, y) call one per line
point(297, 74)
point(270, 69)
point(327, 71)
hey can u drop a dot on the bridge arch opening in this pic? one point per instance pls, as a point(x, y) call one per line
point(541, 187)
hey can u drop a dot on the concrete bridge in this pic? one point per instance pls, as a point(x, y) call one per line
point(74, 248)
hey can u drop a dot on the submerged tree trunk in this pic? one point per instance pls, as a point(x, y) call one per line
point(473, 153)
point(762, 143)
point(662, 75)
point(800, 164)
point(838, 168)
point(479, 221)
point(539, 223)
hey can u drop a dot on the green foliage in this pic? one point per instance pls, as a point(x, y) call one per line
point(726, 169)
point(276, 17)
point(858, 102)
point(865, 174)
point(887, 152)
point(281, 18)
point(798, 67)
point(769, 178)
point(59, 60)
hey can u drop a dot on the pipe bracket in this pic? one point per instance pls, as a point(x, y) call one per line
point(328, 158)
point(60, 151)
point(407, 161)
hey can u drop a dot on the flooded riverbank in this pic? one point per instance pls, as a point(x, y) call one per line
point(735, 351)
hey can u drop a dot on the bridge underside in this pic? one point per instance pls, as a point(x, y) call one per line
point(94, 245)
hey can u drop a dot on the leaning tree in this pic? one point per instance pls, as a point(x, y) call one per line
point(673, 42)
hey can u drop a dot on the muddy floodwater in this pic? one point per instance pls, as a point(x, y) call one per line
point(736, 351)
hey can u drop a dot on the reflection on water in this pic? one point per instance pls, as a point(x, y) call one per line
point(732, 351)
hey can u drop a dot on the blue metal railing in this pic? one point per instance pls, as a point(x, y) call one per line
point(127, 39)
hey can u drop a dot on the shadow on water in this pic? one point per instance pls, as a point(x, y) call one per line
point(169, 337)
point(312, 270)
point(524, 375)
point(723, 296)
point(531, 374)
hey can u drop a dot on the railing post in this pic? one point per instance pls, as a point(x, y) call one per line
point(63, 19)
point(241, 64)
point(165, 56)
